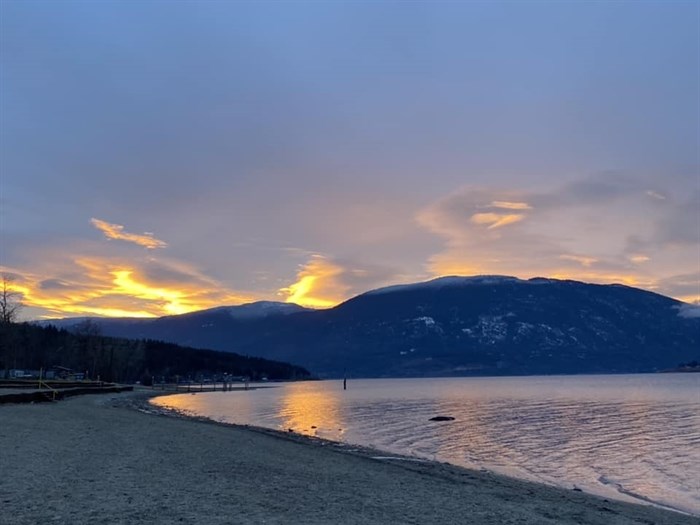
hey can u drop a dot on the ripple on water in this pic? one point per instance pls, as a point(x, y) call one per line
point(631, 436)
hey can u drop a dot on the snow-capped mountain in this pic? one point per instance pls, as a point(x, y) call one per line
point(256, 310)
point(452, 326)
point(247, 311)
point(452, 281)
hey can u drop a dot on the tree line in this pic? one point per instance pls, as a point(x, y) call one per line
point(83, 349)
point(28, 346)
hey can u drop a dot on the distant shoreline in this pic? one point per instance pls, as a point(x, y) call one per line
point(682, 370)
point(102, 459)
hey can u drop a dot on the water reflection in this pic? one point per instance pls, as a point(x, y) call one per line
point(307, 410)
point(614, 435)
point(213, 405)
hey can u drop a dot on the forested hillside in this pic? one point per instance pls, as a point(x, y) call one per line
point(27, 346)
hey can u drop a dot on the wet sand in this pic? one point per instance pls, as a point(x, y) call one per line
point(97, 460)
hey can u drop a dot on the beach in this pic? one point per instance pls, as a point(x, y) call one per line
point(103, 459)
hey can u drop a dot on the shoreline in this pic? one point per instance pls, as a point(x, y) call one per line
point(111, 459)
point(387, 455)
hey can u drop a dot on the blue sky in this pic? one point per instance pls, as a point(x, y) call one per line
point(310, 151)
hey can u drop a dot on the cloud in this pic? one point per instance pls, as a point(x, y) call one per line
point(74, 277)
point(104, 286)
point(496, 220)
point(685, 287)
point(582, 259)
point(679, 222)
point(317, 284)
point(602, 228)
point(596, 189)
point(638, 258)
point(511, 205)
point(53, 284)
point(116, 231)
point(656, 195)
point(689, 311)
point(323, 282)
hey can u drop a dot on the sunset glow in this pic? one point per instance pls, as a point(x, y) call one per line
point(316, 286)
point(171, 299)
point(116, 231)
point(115, 289)
point(496, 220)
point(363, 145)
point(511, 205)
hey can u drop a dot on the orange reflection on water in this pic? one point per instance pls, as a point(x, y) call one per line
point(310, 412)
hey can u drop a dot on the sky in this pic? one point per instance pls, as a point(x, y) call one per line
point(160, 157)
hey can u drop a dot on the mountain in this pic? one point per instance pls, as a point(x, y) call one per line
point(258, 310)
point(139, 327)
point(484, 325)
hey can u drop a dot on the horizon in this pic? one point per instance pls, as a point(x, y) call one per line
point(695, 306)
point(158, 160)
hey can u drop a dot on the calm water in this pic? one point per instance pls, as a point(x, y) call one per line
point(634, 437)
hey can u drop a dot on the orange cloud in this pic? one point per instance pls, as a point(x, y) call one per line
point(560, 238)
point(324, 282)
point(446, 267)
point(104, 287)
point(317, 284)
point(496, 220)
point(604, 278)
point(116, 231)
point(507, 205)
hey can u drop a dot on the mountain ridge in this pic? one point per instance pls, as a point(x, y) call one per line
point(481, 325)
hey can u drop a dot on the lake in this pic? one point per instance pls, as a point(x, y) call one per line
point(632, 437)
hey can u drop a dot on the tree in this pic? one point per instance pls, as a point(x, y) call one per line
point(10, 305)
point(10, 301)
point(89, 333)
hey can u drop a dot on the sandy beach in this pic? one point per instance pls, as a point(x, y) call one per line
point(98, 460)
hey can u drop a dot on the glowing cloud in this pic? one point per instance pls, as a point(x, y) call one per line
point(324, 282)
point(603, 228)
point(111, 288)
point(116, 231)
point(603, 278)
point(317, 284)
point(511, 205)
point(496, 220)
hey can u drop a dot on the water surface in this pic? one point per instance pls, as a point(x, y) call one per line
point(634, 437)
